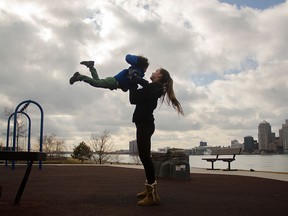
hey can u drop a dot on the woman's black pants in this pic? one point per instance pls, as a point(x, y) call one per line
point(143, 134)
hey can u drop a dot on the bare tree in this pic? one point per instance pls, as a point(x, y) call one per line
point(7, 112)
point(21, 127)
point(136, 159)
point(101, 147)
point(52, 146)
point(1, 145)
point(117, 158)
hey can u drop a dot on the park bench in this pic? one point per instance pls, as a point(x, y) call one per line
point(22, 156)
point(229, 156)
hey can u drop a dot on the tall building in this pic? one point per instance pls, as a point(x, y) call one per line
point(264, 135)
point(283, 135)
point(202, 143)
point(133, 149)
point(249, 144)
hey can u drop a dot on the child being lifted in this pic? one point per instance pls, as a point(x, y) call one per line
point(125, 79)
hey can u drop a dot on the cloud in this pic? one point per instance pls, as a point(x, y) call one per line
point(228, 64)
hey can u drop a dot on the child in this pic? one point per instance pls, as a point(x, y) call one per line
point(125, 79)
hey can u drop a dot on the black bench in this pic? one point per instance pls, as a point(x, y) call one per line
point(23, 156)
point(219, 152)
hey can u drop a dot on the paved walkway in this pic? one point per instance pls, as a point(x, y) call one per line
point(109, 190)
point(260, 174)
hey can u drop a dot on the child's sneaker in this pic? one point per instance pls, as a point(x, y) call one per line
point(88, 64)
point(74, 78)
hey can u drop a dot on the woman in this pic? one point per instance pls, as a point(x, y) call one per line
point(146, 100)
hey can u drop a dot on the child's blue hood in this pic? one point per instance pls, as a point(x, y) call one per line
point(132, 59)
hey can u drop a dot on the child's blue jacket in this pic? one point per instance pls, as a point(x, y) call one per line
point(122, 77)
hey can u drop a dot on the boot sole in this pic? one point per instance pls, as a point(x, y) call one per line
point(155, 203)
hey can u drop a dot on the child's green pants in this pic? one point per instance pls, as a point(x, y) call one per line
point(109, 82)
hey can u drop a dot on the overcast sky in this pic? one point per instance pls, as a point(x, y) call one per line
point(228, 59)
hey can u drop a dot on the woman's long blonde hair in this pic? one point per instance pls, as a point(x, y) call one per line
point(169, 94)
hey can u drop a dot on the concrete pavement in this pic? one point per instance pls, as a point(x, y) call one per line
point(259, 174)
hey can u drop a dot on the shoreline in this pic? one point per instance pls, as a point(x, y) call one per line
point(281, 176)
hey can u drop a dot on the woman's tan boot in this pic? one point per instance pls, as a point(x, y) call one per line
point(142, 194)
point(152, 197)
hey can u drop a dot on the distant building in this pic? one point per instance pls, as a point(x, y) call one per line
point(236, 144)
point(283, 136)
point(281, 141)
point(256, 145)
point(265, 136)
point(200, 150)
point(133, 149)
point(277, 146)
point(249, 144)
point(163, 150)
point(202, 144)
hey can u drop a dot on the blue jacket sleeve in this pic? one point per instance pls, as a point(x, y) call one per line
point(132, 59)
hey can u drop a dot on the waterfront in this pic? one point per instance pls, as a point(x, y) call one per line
point(271, 163)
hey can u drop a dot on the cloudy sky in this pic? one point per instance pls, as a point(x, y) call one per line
point(228, 59)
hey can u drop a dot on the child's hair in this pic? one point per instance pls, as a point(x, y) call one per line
point(143, 62)
point(167, 82)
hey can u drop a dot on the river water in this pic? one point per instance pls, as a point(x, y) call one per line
point(274, 163)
